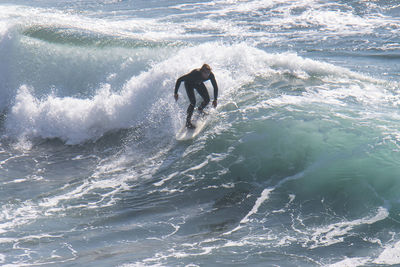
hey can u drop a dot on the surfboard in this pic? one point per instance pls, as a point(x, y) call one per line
point(187, 134)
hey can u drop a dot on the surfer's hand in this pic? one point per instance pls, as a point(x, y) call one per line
point(215, 103)
point(176, 96)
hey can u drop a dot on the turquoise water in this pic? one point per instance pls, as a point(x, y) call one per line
point(297, 166)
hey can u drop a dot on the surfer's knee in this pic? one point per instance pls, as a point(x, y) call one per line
point(190, 108)
point(206, 98)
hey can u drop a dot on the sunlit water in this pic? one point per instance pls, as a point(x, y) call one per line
point(298, 165)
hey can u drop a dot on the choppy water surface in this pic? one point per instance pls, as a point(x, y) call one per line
point(298, 165)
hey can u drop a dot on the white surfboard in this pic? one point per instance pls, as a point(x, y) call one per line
point(187, 134)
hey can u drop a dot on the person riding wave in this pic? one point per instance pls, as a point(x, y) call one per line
point(195, 80)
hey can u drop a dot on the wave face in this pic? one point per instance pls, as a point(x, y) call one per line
point(297, 166)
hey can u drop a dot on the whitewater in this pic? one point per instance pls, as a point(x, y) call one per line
point(297, 166)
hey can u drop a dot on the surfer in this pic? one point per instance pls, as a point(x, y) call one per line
point(195, 80)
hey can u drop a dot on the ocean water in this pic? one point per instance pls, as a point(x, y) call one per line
point(297, 166)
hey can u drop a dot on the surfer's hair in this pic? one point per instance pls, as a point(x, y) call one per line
point(205, 67)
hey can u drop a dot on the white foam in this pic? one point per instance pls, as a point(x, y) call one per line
point(336, 232)
point(351, 262)
point(169, 177)
point(134, 28)
point(12, 216)
point(199, 166)
point(260, 200)
point(331, 19)
point(390, 255)
point(216, 17)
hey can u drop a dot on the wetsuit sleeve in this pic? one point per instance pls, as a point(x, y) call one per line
point(214, 84)
point(178, 82)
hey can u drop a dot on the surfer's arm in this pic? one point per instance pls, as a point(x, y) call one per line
point(178, 83)
point(215, 85)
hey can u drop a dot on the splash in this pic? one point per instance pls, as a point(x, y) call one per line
point(147, 96)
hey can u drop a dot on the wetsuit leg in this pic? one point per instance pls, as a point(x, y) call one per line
point(190, 93)
point(203, 92)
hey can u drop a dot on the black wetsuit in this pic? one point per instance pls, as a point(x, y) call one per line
point(194, 80)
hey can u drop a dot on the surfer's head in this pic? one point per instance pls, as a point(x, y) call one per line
point(205, 71)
